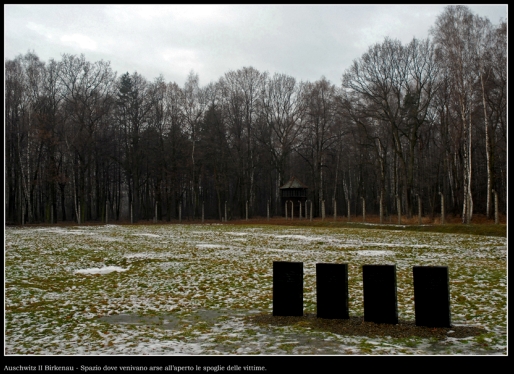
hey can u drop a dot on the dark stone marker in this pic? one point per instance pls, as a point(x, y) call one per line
point(332, 291)
point(431, 296)
point(379, 286)
point(287, 288)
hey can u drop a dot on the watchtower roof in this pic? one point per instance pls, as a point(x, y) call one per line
point(293, 183)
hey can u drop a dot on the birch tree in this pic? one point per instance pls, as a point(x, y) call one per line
point(452, 34)
point(193, 105)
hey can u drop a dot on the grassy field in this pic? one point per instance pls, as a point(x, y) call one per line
point(189, 289)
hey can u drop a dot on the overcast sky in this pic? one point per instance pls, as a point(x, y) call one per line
point(304, 41)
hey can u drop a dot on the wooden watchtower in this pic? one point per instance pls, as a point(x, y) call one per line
point(294, 191)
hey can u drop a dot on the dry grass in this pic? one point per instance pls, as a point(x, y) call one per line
point(480, 224)
point(478, 219)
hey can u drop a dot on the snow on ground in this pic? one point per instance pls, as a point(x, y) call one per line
point(374, 253)
point(104, 270)
point(186, 289)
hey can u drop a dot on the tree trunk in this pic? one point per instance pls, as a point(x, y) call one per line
point(419, 210)
point(442, 208)
point(466, 167)
point(487, 151)
point(399, 209)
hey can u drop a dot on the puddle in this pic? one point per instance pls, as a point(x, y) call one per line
point(171, 321)
point(166, 322)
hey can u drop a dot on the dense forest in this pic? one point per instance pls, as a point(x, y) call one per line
point(407, 125)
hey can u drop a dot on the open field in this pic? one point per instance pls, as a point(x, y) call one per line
point(206, 289)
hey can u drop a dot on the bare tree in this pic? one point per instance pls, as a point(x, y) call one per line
point(214, 145)
point(241, 90)
point(453, 37)
point(321, 132)
point(87, 91)
point(18, 138)
point(193, 105)
point(282, 121)
point(176, 146)
point(490, 63)
point(394, 85)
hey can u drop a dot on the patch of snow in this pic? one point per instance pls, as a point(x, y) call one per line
point(104, 270)
point(203, 245)
point(367, 252)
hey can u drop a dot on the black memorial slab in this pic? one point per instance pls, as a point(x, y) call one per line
point(332, 291)
point(287, 288)
point(379, 288)
point(431, 296)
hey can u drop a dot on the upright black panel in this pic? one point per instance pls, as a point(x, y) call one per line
point(380, 302)
point(332, 291)
point(287, 288)
point(432, 296)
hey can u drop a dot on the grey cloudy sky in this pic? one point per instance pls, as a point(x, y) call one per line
point(304, 41)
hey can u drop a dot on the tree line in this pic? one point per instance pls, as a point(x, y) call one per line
point(409, 121)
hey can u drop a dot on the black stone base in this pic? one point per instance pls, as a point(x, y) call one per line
point(380, 301)
point(287, 288)
point(432, 296)
point(332, 291)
